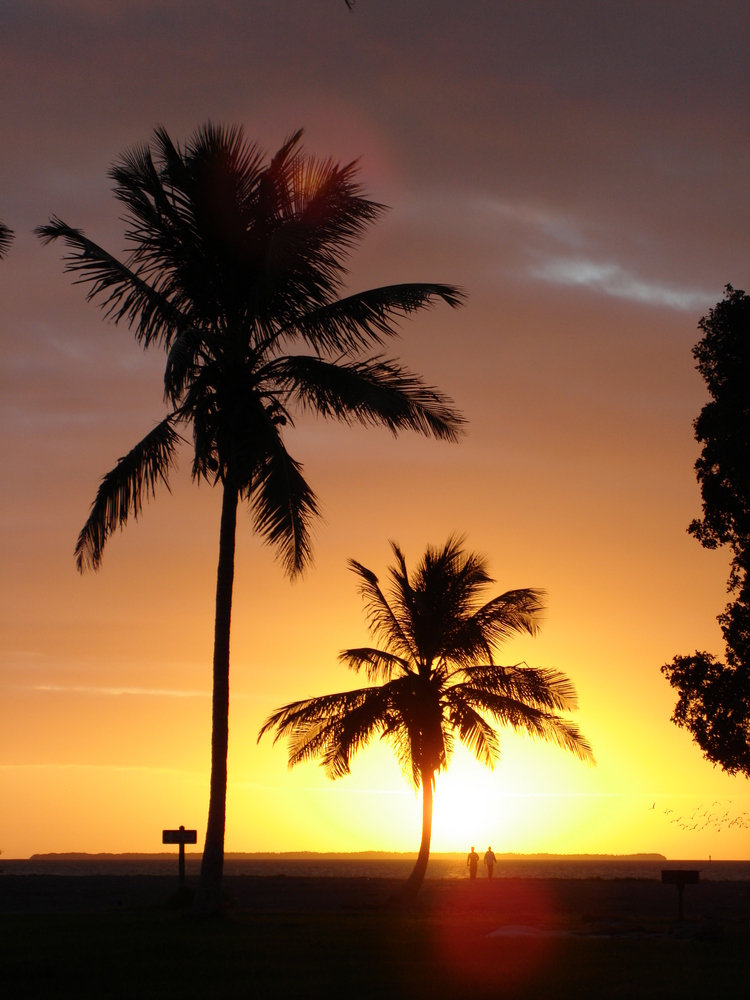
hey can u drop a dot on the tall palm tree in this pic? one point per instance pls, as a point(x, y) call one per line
point(233, 261)
point(435, 679)
point(6, 238)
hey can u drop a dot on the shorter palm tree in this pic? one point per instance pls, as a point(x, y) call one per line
point(6, 238)
point(434, 679)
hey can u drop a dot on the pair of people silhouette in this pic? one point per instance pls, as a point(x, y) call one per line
point(472, 862)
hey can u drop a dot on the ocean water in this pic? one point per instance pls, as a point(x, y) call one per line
point(396, 867)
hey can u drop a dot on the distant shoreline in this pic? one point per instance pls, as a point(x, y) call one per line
point(344, 856)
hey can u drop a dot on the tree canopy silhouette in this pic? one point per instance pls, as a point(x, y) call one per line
point(6, 238)
point(714, 697)
point(235, 260)
point(433, 679)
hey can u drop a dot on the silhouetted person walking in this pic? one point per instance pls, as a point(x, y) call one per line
point(472, 861)
point(489, 860)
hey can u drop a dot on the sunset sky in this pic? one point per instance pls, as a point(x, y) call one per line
point(581, 169)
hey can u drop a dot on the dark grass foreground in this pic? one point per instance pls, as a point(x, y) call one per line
point(438, 949)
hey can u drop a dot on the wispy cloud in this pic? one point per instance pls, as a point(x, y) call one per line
point(139, 768)
point(562, 250)
point(613, 279)
point(133, 691)
point(533, 242)
point(118, 691)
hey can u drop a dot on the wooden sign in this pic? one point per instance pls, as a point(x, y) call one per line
point(680, 876)
point(181, 836)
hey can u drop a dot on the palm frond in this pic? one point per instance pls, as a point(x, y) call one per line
point(437, 599)
point(329, 208)
point(331, 727)
point(6, 238)
point(275, 196)
point(356, 727)
point(379, 665)
point(299, 713)
point(512, 612)
point(369, 317)
point(403, 605)
point(538, 686)
point(374, 391)
point(381, 618)
point(406, 749)
point(518, 715)
point(188, 215)
point(283, 506)
point(309, 214)
point(124, 293)
point(153, 205)
point(123, 490)
point(475, 733)
point(554, 729)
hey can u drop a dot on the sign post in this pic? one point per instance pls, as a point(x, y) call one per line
point(181, 837)
point(680, 877)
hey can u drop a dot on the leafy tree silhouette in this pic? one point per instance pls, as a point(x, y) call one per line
point(436, 679)
point(714, 697)
point(233, 260)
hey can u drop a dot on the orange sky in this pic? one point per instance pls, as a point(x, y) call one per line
point(583, 177)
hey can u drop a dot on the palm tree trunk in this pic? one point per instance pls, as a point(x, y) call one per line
point(417, 876)
point(208, 896)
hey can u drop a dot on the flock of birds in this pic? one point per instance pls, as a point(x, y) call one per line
point(704, 817)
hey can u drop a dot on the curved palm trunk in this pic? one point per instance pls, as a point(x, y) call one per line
point(208, 897)
point(417, 876)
